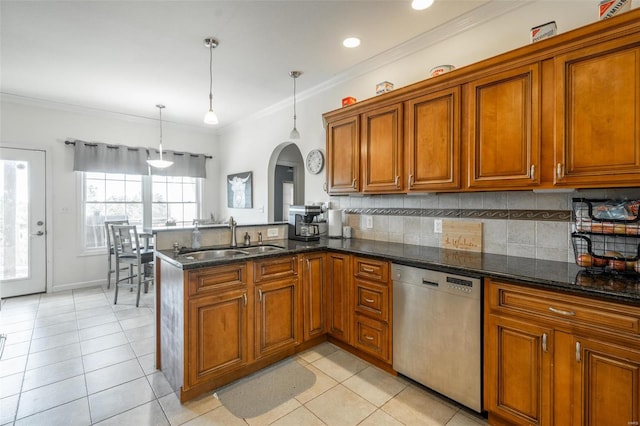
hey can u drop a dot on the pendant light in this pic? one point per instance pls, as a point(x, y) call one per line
point(160, 164)
point(295, 134)
point(210, 117)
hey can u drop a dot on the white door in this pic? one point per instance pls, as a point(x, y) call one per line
point(23, 232)
point(287, 199)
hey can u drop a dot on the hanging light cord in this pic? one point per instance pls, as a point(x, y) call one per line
point(294, 102)
point(211, 76)
point(160, 132)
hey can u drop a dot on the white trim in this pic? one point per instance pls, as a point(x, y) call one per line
point(74, 286)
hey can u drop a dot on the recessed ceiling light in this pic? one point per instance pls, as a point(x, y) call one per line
point(351, 42)
point(421, 4)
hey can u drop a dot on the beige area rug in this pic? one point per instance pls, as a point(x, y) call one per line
point(265, 390)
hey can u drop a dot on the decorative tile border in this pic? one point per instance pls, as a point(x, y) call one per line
point(539, 215)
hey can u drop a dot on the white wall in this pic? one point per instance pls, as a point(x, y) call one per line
point(245, 147)
point(30, 126)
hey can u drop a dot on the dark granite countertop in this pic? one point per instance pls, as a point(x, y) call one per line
point(547, 274)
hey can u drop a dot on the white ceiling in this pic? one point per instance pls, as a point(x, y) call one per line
point(127, 56)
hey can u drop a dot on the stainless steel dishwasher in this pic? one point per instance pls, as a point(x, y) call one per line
point(437, 332)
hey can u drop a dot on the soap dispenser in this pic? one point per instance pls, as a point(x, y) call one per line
point(195, 236)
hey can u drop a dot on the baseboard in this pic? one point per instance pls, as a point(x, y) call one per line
point(74, 286)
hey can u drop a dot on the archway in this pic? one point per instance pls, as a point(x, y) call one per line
point(286, 155)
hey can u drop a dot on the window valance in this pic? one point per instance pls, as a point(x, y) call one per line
point(108, 158)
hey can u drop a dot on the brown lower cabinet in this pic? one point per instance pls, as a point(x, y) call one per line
point(314, 295)
point(557, 359)
point(338, 306)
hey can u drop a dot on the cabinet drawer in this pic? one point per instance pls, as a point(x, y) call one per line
point(371, 299)
point(372, 336)
point(219, 278)
point(575, 309)
point(370, 269)
point(276, 268)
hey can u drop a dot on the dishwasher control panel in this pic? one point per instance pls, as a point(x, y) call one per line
point(442, 281)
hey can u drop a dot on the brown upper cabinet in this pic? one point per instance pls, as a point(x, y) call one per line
point(504, 130)
point(563, 112)
point(598, 114)
point(381, 150)
point(432, 141)
point(343, 156)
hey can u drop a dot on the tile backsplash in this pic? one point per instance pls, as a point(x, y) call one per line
point(516, 223)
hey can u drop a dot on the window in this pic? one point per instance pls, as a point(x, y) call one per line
point(144, 200)
point(174, 198)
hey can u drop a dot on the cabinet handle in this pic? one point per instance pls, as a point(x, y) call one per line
point(353, 183)
point(561, 312)
point(369, 300)
point(397, 179)
point(366, 336)
point(578, 352)
point(533, 172)
point(260, 295)
point(409, 180)
point(365, 269)
point(544, 342)
point(559, 171)
point(244, 296)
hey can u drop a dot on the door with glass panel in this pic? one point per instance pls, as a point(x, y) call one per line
point(23, 231)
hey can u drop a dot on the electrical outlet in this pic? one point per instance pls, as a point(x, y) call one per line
point(437, 226)
point(272, 232)
point(368, 220)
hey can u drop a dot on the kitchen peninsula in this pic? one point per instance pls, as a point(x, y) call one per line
point(212, 313)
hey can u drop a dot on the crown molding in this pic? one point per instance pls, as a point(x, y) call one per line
point(479, 16)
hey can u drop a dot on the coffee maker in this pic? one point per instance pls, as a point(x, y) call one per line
point(301, 226)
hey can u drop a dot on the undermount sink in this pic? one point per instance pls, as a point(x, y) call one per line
point(213, 254)
point(262, 249)
point(229, 252)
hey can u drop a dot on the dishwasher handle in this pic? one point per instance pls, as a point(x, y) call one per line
point(431, 283)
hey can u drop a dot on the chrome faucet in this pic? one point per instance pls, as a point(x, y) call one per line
point(232, 225)
point(259, 238)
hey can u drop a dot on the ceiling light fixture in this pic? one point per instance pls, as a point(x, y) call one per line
point(160, 164)
point(210, 117)
point(351, 42)
point(421, 4)
point(295, 134)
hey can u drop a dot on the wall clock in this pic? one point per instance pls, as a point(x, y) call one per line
point(315, 161)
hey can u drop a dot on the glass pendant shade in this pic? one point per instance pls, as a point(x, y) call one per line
point(160, 163)
point(210, 117)
point(295, 134)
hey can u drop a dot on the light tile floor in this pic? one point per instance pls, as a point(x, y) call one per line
point(74, 358)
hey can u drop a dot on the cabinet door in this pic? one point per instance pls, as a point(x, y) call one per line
point(517, 371)
point(314, 295)
point(606, 384)
point(382, 150)
point(217, 335)
point(343, 156)
point(432, 136)
point(598, 114)
point(504, 129)
point(277, 316)
point(338, 279)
